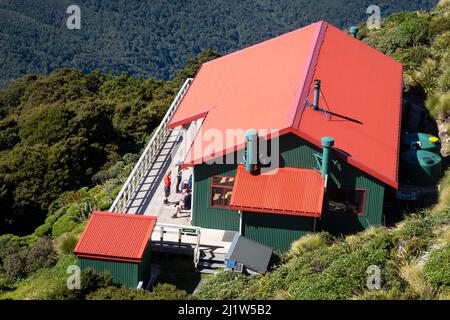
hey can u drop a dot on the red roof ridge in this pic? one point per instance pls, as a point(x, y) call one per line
point(239, 86)
point(307, 75)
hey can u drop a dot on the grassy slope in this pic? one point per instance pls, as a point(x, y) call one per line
point(338, 269)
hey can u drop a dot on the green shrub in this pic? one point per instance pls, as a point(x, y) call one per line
point(23, 261)
point(115, 192)
point(164, 291)
point(439, 105)
point(66, 223)
point(8, 245)
point(41, 255)
point(15, 265)
point(114, 293)
point(227, 285)
point(437, 268)
point(90, 282)
point(159, 292)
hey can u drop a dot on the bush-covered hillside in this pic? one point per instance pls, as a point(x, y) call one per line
point(60, 132)
point(413, 259)
point(156, 37)
point(413, 256)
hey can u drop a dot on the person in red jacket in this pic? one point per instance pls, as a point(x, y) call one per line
point(167, 184)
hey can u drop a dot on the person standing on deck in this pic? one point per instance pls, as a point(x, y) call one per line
point(167, 184)
point(179, 177)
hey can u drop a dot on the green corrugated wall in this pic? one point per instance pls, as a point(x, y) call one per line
point(145, 266)
point(203, 214)
point(122, 272)
point(275, 230)
point(127, 273)
point(297, 153)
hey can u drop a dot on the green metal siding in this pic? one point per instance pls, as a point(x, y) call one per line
point(203, 214)
point(274, 230)
point(145, 268)
point(122, 272)
point(297, 153)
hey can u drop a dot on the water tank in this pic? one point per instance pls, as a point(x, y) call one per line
point(420, 167)
point(422, 141)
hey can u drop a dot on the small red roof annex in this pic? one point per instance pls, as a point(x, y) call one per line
point(289, 191)
point(115, 236)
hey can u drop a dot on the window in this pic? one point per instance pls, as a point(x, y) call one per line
point(347, 201)
point(221, 190)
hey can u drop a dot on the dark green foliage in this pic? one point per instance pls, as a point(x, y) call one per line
point(20, 261)
point(159, 292)
point(41, 255)
point(155, 38)
point(227, 285)
point(437, 268)
point(90, 282)
point(101, 287)
point(340, 269)
point(15, 265)
point(64, 131)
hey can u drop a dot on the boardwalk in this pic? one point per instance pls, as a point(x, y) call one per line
point(143, 191)
point(149, 195)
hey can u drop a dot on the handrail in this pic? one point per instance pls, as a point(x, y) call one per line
point(163, 228)
point(151, 149)
point(177, 226)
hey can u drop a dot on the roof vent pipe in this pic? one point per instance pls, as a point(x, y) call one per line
point(315, 104)
point(354, 31)
point(251, 151)
point(327, 143)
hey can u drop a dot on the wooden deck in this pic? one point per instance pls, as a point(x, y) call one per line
point(143, 192)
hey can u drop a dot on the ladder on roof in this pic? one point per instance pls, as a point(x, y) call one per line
point(149, 155)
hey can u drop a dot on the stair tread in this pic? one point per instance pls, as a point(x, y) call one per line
point(209, 265)
point(209, 271)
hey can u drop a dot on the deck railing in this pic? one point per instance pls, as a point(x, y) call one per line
point(149, 154)
point(179, 231)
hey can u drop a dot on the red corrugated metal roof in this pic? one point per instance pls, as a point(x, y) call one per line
point(265, 87)
point(363, 89)
point(115, 236)
point(289, 191)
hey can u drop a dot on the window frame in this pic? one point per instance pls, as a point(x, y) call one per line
point(212, 186)
point(363, 203)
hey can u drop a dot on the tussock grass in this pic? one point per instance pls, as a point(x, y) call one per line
point(307, 243)
point(412, 273)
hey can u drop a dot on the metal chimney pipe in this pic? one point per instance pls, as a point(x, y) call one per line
point(251, 154)
point(315, 104)
point(327, 143)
